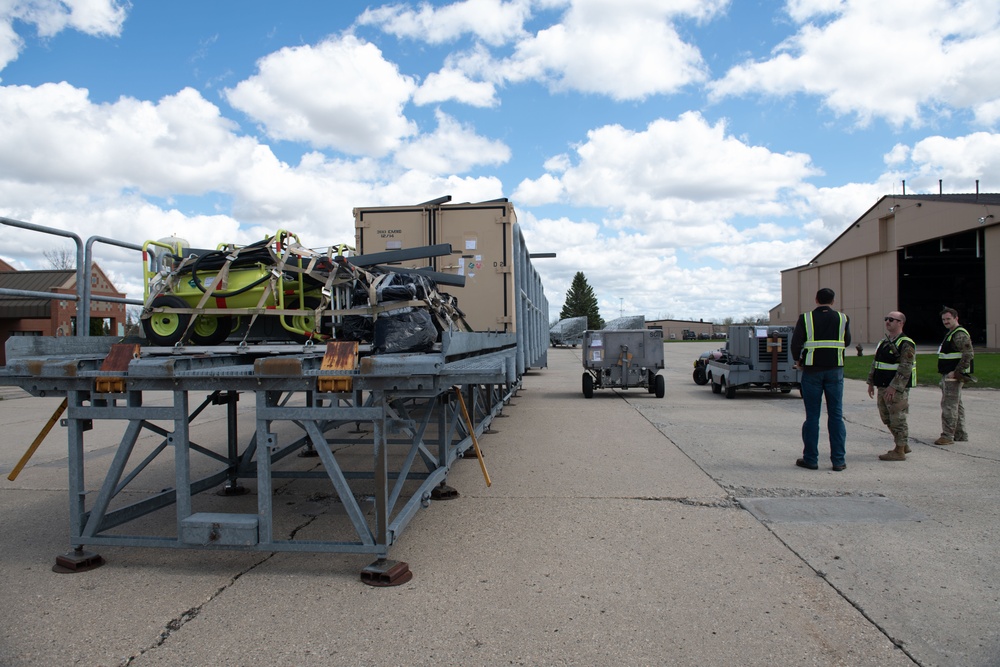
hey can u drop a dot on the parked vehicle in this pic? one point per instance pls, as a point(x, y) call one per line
point(568, 332)
point(623, 358)
point(701, 364)
point(755, 357)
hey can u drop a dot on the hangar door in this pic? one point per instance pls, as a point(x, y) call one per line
point(949, 271)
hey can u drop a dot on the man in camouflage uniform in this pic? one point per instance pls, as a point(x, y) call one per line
point(955, 359)
point(893, 372)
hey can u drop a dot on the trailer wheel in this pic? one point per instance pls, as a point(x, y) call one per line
point(786, 390)
point(166, 329)
point(716, 387)
point(699, 376)
point(730, 389)
point(211, 329)
point(588, 385)
point(661, 386)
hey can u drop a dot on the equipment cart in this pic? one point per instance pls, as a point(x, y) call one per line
point(623, 358)
point(754, 357)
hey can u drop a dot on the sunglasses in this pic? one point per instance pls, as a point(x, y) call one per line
point(892, 319)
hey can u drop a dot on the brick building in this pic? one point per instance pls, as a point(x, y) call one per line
point(28, 316)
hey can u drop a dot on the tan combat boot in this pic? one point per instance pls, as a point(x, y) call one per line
point(906, 449)
point(897, 454)
point(944, 440)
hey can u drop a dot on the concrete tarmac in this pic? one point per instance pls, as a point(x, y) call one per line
point(620, 530)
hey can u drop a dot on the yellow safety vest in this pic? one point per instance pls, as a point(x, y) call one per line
point(811, 345)
point(948, 356)
point(885, 366)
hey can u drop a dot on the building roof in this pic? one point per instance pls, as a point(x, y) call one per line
point(986, 198)
point(18, 307)
point(981, 198)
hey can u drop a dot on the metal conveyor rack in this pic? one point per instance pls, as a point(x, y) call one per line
point(385, 437)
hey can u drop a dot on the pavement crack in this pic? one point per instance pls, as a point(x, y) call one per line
point(178, 622)
point(761, 492)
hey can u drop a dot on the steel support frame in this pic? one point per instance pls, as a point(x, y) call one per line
point(416, 436)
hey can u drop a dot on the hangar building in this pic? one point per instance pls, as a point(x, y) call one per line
point(915, 254)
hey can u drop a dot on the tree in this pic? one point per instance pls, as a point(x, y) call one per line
point(581, 301)
point(60, 258)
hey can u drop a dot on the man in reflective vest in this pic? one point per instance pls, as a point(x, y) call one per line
point(955, 358)
point(894, 371)
point(818, 344)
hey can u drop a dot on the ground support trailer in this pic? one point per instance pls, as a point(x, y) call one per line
point(385, 430)
point(755, 357)
point(622, 359)
point(568, 332)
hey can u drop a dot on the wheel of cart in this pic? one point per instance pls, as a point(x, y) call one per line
point(699, 376)
point(588, 385)
point(729, 389)
point(716, 387)
point(656, 384)
point(166, 328)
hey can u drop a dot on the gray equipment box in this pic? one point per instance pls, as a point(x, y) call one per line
point(756, 357)
point(623, 358)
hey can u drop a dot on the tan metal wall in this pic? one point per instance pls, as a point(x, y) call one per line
point(861, 267)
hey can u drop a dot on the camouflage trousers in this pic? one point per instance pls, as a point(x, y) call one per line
point(894, 414)
point(952, 410)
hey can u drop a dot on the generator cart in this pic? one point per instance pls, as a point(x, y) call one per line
point(755, 357)
point(623, 358)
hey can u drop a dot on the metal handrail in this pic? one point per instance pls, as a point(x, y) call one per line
point(84, 262)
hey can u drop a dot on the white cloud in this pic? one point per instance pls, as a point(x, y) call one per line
point(339, 94)
point(901, 60)
point(958, 161)
point(630, 274)
point(452, 84)
point(668, 172)
point(451, 148)
point(630, 53)
point(547, 189)
point(624, 49)
point(50, 17)
point(492, 21)
point(54, 134)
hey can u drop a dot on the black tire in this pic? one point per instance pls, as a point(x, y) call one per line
point(786, 390)
point(651, 381)
point(661, 386)
point(166, 329)
point(588, 385)
point(211, 329)
point(716, 387)
point(730, 389)
point(699, 376)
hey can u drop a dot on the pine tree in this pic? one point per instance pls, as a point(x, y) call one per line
point(580, 301)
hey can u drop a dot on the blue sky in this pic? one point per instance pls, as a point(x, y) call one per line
point(680, 153)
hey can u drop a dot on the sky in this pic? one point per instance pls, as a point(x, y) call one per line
point(680, 153)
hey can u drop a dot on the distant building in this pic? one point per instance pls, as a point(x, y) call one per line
point(27, 316)
point(915, 254)
point(674, 329)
